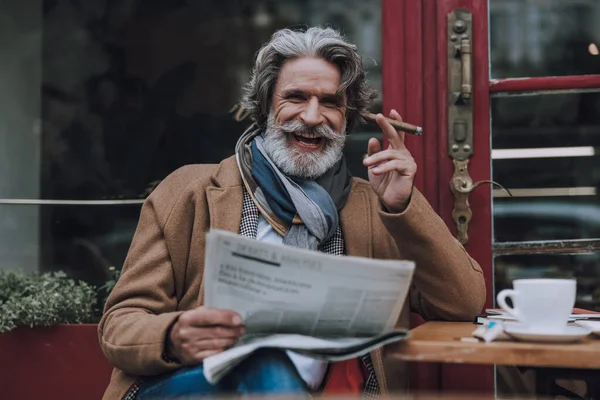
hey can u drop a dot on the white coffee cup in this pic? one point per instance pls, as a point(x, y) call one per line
point(541, 304)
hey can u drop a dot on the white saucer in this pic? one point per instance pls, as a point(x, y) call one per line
point(594, 326)
point(570, 333)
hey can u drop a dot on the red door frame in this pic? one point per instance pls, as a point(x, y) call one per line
point(415, 83)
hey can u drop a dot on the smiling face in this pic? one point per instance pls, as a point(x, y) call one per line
point(305, 132)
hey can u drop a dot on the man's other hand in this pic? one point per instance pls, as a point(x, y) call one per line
point(203, 332)
point(391, 171)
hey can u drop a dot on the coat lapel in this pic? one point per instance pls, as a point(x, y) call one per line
point(224, 201)
point(225, 197)
point(225, 207)
point(355, 219)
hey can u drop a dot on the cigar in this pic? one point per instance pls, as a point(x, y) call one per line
point(400, 126)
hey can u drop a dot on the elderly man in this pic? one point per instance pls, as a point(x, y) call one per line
point(306, 93)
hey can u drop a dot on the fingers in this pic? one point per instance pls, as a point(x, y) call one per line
point(395, 139)
point(387, 155)
point(202, 332)
point(203, 317)
point(394, 115)
point(404, 167)
point(373, 146)
point(194, 350)
point(210, 332)
point(208, 344)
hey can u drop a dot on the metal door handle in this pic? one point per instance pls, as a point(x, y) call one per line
point(465, 61)
point(462, 185)
point(462, 50)
point(460, 116)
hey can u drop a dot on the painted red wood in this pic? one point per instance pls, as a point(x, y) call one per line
point(403, 77)
point(392, 43)
point(424, 377)
point(412, 60)
point(430, 125)
point(393, 66)
point(56, 363)
point(523, 85)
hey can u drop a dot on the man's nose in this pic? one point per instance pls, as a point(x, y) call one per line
point(311, 114)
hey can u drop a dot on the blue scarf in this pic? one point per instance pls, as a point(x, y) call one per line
point(309, 209)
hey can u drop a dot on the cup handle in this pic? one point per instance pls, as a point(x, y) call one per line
point(501, 299)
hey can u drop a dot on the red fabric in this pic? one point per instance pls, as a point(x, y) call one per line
point(345, 377)
point(584, 311)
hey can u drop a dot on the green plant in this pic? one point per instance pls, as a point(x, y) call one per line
point(44, 300)
point(115, 274)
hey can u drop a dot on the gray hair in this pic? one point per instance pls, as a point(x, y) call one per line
point(324, 43)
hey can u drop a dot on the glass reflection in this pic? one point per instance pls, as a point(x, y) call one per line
point(555, 195)
point(584, 267)
point(83, 241)
point(544, 38)
point(104, 98)
point(134, 90)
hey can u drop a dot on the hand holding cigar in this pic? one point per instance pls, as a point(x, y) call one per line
point(400, 126)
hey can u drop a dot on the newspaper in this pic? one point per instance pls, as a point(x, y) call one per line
point(324, 306)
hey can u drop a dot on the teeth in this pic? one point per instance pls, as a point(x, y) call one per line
point(308, 140)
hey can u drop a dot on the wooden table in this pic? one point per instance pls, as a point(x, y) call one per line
point(441, 342)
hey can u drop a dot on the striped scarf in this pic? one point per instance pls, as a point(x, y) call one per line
point(305, 212)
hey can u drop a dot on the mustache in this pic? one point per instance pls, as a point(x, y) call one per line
point(300, 128)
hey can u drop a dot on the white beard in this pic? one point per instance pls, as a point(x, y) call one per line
point(297, 163)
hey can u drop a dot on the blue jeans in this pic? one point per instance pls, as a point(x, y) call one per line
point(268, 371)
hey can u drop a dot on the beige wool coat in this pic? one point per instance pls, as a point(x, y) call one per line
point(163, 273)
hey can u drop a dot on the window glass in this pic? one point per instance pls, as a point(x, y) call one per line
point(544, 38)
point(545, 151)
point(584, 267)
point(102, 99)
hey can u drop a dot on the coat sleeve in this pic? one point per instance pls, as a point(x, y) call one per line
point(447, 284)
point(143, 304)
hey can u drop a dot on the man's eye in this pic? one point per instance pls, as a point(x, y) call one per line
point(295, 97)
point(329, 103)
